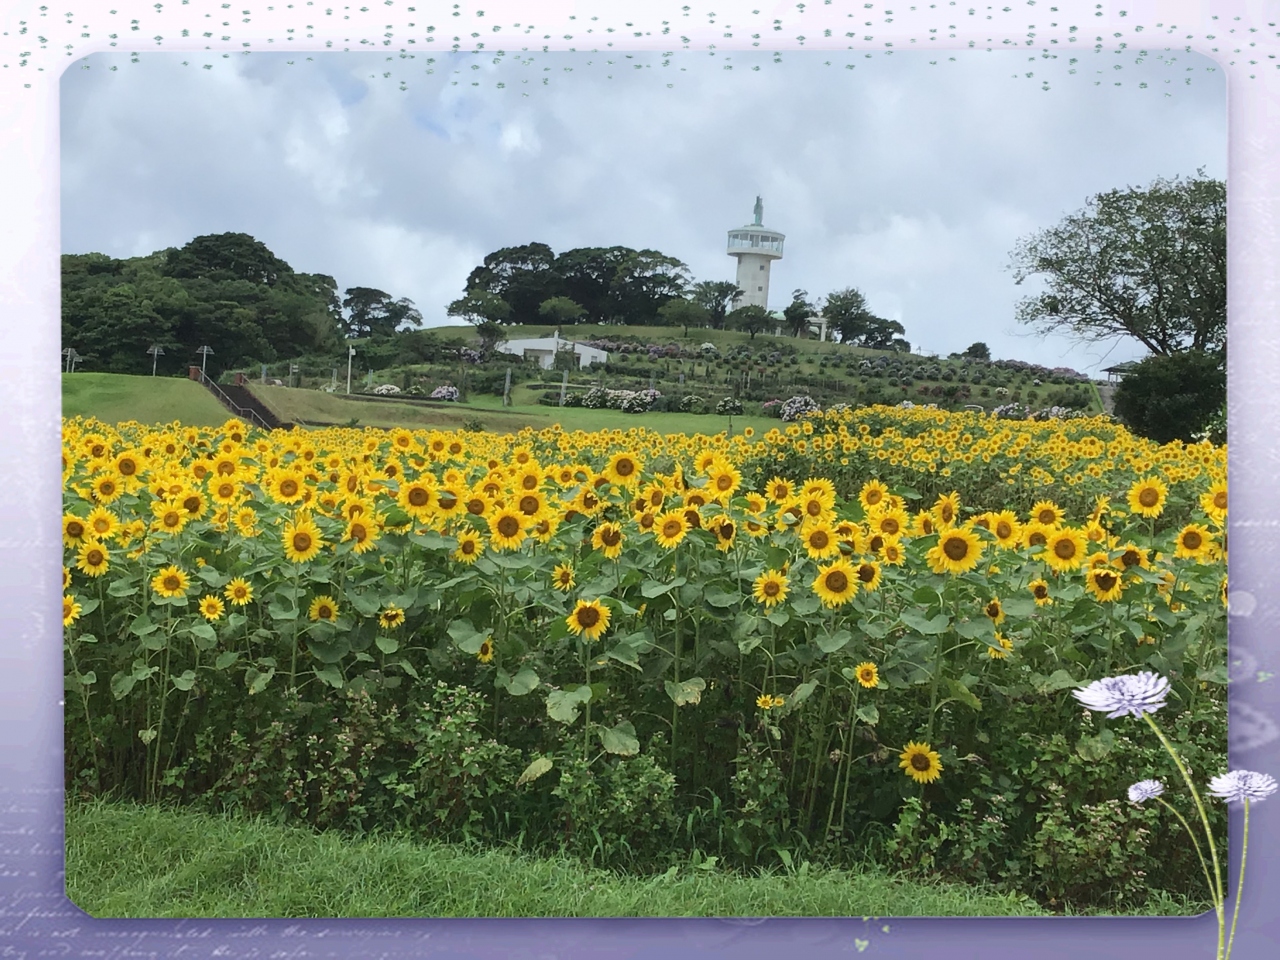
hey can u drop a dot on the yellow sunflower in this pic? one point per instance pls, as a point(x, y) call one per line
point(301, 538)
point(589, 619)
point(284, 485)
point(172, 581)
point(1005, 527)
point(779, 490)
point(920, 762)
point(1214, 501)
point(1002, 651)
point(867, 674)
point(994, 610)
point(1047, 512)
point(562, 577)
point(819, 540)
point(93, 558)
point(868, 574)
point(1147, 497)
point(1040, 592)
point(836, 583)
point(391, 617)
point(470, 547)
point(872, 495)
point(416, 498)
point(623, 469)
point(74, 530)
point(724, 530)
point(506, 529)
point(363, 533)
point(670, 528)
point(211, 608)
point(892, 552)
point(770, 588)
point(485, 653)
point(608, 538)
point(238, 591)
point(1064, 549)
point(70, 610)
point(323, 608)
point(946, 509)
point(723, 480)
point(1104, 583)
point(1194, 542)
point(101, 523)
point(957, 551)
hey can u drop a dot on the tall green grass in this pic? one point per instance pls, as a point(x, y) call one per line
point(131, 861)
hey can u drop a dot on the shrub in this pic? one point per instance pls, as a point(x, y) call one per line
point(446, 392)
point(692, 403)
point(1172, 398)
point(799, 406)
point(729, 407)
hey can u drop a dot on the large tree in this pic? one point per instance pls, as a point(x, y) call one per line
point(227, 256)
point(524, 277)
point(371, 312)
point(682, 312)
point(752, 318)
point(1173, 397)
point(1148, 264)
point(799, 312)
point(716, 296)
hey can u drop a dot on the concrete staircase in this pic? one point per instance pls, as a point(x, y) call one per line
point(240, 400)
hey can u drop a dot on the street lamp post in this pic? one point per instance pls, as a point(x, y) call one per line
point(204, 358)
point(156, 352)
point(351, 352)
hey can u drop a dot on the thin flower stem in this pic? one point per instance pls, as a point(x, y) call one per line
point(1235, 911)
point(1219, 900)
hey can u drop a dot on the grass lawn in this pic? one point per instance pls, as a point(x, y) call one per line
point(113, 398)
point(131, 861)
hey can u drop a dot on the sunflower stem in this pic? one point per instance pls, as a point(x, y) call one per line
point(845, 763)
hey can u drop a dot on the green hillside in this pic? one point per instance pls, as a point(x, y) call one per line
point(116, 397)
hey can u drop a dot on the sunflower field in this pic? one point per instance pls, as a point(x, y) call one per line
point(855, 637)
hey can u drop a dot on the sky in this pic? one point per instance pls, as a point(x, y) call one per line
point(910, 177)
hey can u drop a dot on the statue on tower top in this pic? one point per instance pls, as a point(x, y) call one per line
point(759, 211)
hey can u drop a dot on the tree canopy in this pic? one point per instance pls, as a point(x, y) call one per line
point(1172, 397)
point(1150, 264)
point(611, 284)
point(847, 314)
point(225, 291)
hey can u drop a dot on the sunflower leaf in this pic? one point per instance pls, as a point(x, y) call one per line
point(225, 659)
point(869, 714)
point(686, 691)
point(123, 588)
point(620, 739)
point(982, 629)
point(329, 674)
point(831, 642)
point(525, 681)
point(805, 606)
point(651, 589)
point(961, 692)
point(186, 681)
point(408, 668)
point(534, 770)
point(564, 705)
point(929, 626)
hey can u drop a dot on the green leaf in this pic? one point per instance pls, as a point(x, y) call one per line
point(1096, 748)
point(982, 629)
point(204, 632)
point(719, 597)
point(778, 618)
point(1214, 674)
point(387, 645)
point(1058, 680)
point(924, 596)
point(408, 668)
point(186, 681)
point(122, 588)
point(330, 675)
point(1019, 606)
point(929, 626)
point(212, 577)
point(875, 629)
point(121, 684)
point(686, 691)
point(961, 692)
point(525, 681)
point(801, 693)
point(806, 606)
point(88, 607)
point(534, 770)
point(869, 714)
point(621, 739)
point(142, 626)
point(651, 589)
point(364, 604)
point(257, 681)
point(87, 679)
point(831, 642)
point(225, 659)
point(278, 611)
point(330, 649)
point(563, 705)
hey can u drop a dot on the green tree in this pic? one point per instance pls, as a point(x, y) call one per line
point(1148, 264)
point(680, 312)
point(716, 296)
point(752, 318)
point(1173, 396)
point(798, 313)
point(977, 351)
point(524, 276)
point(373, 313)
point(480, 306)
point(560, 310)
point(227, 256)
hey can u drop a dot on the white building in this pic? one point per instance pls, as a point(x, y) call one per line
point(544, 349)
point(755, 247)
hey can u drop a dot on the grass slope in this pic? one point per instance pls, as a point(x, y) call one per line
point(130, 861)
point(114, 398)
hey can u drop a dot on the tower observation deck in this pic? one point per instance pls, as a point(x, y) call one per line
point(755, 247)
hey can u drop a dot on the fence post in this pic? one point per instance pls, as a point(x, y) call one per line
point(564, 385)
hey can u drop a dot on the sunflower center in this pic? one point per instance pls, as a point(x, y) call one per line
point(1003, 530)
point(359, 533)
point(873, 497)
point(1130, 558)
point(172, 582)
point(1192, 540)
point(724, 482)
point(75, 530)
point(671, 528)
point(94, 557)
point(171, 519)
point(947, 513)
point(508, 526)
point(1105, 581)
point(889, 525)
point(468, 547)
point(419, 496)
point(772, 588)
point(646, 521)
point(993, 610)
point(301, 541)
point(625, 467)
point(529, 505)
point(1046, 516)
point(1220, 499)
point(448, 502)
point(588, 617)
point(611, 536)
point(1037, 539)
point(226, 468)
point(837, 581)
point(956, 548)
point(128, 468)
point(289, 488)
point(191, 504)
point(920, 762)
point(1041, 591)
point(1064, 549)
point(529, 482)
point(813, 508)
point(819, 540)
point(1149, 497)
point(866, 572)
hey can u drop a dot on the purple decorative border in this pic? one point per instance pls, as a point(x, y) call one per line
point(35, 917)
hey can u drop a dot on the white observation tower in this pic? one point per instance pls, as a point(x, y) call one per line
point(756, 247)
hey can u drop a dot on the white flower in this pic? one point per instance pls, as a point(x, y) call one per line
point(1133, 694)
point(1238, 786)
point(1145, 790)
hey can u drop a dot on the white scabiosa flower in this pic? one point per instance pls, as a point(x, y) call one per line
point(1133, 694)
point(1241, 785)
point(1145, 790)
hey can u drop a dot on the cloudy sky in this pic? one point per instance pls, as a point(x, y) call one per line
point(909, 180)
